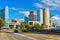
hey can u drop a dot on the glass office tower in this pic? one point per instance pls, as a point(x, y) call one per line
point(4, 14)
point(40, 16)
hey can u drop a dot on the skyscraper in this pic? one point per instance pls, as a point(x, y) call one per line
point(26, 16)
point(32, 16)
point(40, 16)
point(26, 19)
point(4, 14)
point(46, 17)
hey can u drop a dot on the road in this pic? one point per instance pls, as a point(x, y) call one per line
point(4, 36)
point(31, 36)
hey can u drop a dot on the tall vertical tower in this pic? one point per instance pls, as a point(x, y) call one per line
point(46, 18)
point(26, 19)
point(32, 16)
point(6, 13)
point(40, 16)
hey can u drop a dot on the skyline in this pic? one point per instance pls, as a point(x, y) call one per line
point(18, 8)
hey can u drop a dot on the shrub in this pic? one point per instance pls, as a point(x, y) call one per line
point(38, 27)
point(24, 27)
point(42, 27)
point(27, 27)
point(1, 23)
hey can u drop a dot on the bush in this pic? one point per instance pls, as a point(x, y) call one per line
point(38, 27)
point(22, 26)
point(25, 27)
point(42, 27)
point(1, 23)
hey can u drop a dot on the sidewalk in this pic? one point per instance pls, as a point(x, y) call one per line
point(4, 36)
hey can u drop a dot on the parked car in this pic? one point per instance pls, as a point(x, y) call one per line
point(16, 31)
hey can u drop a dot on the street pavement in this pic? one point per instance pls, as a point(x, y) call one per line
point(31, 36)
point(4, 36)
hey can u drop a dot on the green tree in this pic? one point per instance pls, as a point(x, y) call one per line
point(36, 26)
point(22, 26)
point(27, 27)
point(1, 23)
point(42, 27)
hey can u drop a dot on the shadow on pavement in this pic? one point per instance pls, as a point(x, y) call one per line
point(36, 32)
point(44, 32)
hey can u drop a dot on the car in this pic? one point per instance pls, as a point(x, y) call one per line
point(16, 31)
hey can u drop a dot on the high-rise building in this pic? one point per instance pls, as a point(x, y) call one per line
point(4, 14)
point(46, 18)
point(40, 16)
point(32, 16)
point(26, 19)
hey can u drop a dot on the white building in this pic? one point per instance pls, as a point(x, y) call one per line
point(40, 16)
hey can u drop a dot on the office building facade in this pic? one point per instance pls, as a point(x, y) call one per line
point(4, 14)
point(46, 18)
point(40, 16)
point(32, 18)
point(26, 19)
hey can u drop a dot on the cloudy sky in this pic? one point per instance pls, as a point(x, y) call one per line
point(19, 8)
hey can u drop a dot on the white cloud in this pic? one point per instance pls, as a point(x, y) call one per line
point(26, 13)
point(13, 8)
point(21, 19)
point(55, 4)
point(49, 2)
point(39, 5)
point(56, 17)
point(21, 11)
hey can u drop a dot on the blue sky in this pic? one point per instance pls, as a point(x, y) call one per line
point(17, 8)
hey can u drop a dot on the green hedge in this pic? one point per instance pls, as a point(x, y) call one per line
point(38, 27)
point(35, 27)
